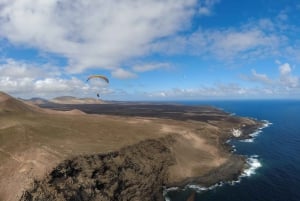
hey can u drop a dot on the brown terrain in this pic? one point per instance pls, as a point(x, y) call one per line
point(74, 100)
point(124, 152)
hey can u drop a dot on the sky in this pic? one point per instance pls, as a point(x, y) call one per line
point(151, 49)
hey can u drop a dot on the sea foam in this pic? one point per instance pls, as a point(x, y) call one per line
point(259, 131)
point(253, 163)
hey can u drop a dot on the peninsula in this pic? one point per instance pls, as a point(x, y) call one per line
point(114, 151)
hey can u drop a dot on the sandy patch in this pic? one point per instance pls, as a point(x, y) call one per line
point(194, 156)
point(20, 172)
point(138, 120)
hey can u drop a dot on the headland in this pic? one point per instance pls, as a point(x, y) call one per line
point(114, 151)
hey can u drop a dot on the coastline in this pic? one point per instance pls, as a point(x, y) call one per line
point(251, 164)
point(127, 139)
point(227, 171)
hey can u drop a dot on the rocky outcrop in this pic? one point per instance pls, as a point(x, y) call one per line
point(137, 172)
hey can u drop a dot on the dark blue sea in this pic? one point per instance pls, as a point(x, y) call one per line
point(274, 155)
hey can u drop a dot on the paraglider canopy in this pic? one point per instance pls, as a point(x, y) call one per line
point(98, 76)
point(101, 77)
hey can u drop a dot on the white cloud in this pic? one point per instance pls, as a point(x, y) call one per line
point(31, 80)
point(150, 67)
point(226, 91)
point(48, 87)
point(206, 7)
point(55, 85)
point(257, 77)
point(19, 69)
point(266, 24)
point(262, 38)
point(293, 51)
point(278, 62)
point(93, 33)
point(283, 15)
point(216, 91)
point(286, 78)
point(285, 69)
point(232, 44)
point(204, 11)
point(123, 74)
point(245, 43)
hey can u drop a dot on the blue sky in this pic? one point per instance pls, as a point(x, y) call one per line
point(151, 50)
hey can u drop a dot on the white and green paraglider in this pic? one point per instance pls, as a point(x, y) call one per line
point(102, 79)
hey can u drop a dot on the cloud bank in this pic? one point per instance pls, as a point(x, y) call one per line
point(93, 33)
point(126, 38)
point(28, 80)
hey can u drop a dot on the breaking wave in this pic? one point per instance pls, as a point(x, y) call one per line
point(256, 133)
point(253, 164)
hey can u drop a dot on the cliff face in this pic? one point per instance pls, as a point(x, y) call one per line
point(136, 172)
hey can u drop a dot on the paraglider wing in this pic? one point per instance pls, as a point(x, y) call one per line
point(102, 77)
point(98, 76)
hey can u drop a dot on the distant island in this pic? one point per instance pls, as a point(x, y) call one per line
point(54, 151)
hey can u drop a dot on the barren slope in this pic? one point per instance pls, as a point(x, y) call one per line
point(74, 100)
point(33, 141)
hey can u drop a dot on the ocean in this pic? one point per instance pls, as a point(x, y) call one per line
point(274, 155)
